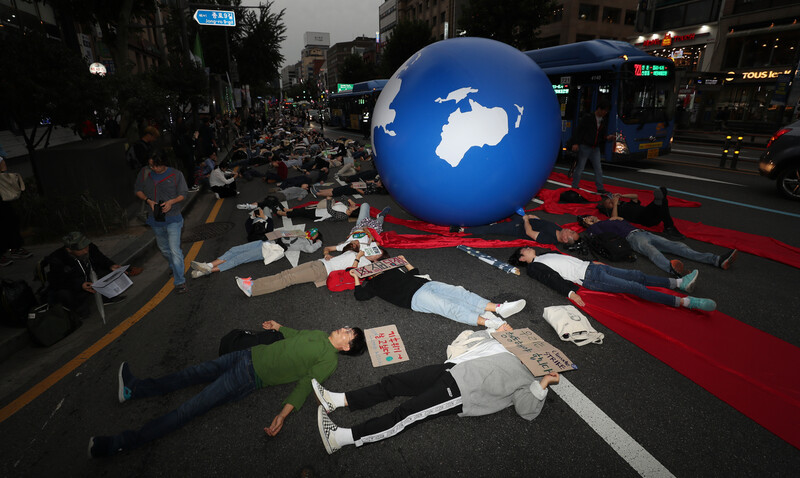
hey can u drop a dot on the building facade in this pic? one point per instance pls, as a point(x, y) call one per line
point(440, 15)
point(387, 19)
point(735, 59)
point(581, 20)
point(337, 53)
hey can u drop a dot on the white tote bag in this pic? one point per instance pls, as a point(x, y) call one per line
point(571, 325)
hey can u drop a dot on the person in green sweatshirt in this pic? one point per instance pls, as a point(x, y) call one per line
point(301, 356)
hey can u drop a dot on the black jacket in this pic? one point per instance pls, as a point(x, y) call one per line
point(587, 133)
point(67, 273)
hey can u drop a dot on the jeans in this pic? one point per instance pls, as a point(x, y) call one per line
point(168, 238)
point(593, 155)
point(605, 278)
point(652, 246)
point(229, 378)
point(250, 252)
point(363, 213)
point(515, 227)
point(451, 301)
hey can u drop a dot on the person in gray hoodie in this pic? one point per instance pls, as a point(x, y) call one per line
point(482, 377)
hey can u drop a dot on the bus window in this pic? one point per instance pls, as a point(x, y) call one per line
point(645, 101)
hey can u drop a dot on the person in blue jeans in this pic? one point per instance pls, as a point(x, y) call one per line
point(565, 274)
point(301, 356)
point(590, 137)
point(653, 246)
point(164, 189)
point(254, 251)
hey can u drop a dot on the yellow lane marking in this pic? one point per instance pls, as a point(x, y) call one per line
point(126, 324)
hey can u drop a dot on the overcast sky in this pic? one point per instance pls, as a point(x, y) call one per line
point(343, 19)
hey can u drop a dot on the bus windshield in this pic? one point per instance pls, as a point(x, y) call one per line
point(646, 99)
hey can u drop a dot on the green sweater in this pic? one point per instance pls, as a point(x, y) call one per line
point(301, 355)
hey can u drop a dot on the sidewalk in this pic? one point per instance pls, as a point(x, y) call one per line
point(135, 246)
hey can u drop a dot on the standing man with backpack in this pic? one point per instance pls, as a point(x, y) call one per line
point(590, 136)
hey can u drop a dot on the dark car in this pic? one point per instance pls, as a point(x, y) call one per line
point(781, 160)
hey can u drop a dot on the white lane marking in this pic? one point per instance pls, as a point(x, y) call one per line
point(629, 449)
point(678, 175)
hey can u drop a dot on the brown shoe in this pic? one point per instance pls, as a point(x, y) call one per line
point(133, 271)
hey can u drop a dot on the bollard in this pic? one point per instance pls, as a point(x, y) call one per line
point(736, 151)
point(725, 149)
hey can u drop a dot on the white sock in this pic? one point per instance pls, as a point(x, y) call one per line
point(677, 283)
point(344, 436)
point(337, 399)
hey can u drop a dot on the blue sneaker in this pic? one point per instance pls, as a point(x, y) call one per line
point(124, 393)
point(701, 304)
point(688, 281)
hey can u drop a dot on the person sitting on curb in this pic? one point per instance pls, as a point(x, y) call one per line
point(405, 287)
point(254, 251)
point(565, 274)
point(302, 356)
point(484, 379)
point(528, 226)
point(314, 271)
point(69, 277)
point(653, 246)
point(648, 216)
point(222, 181)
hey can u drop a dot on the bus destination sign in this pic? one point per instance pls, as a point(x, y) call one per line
point(640, 69)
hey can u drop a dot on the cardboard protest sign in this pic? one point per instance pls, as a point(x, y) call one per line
point(279, 234)
point(537, 355)
point(380, 266)
point(113, 283)
point(358, 185)
point(385, 346)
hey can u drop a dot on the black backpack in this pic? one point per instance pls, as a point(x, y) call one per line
point(47, 324)
point(611, 246)
point(16, 299)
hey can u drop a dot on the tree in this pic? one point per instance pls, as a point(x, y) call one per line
point(258, 50)
point(354, 70)
point(515, 22)
point(36, 98)
point(407, 39)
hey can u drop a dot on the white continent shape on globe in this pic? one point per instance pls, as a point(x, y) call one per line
point(481, 126)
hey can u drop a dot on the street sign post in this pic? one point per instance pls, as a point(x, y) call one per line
point(220, 18)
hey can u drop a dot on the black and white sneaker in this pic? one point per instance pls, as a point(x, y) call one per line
point(726, 261)
point(326, 431)
point(323, 396)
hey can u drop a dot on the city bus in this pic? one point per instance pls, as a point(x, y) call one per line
point(639, 87)
point(353, 109)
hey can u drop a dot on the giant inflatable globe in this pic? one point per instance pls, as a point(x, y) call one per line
point(466, 132)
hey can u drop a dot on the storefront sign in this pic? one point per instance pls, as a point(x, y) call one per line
point(757, 75)
point(669, 40)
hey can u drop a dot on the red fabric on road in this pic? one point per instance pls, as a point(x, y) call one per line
point(747, 368)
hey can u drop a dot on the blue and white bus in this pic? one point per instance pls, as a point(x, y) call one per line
point(640, 88)
point(353, 109)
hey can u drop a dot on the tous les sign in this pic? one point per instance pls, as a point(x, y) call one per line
point(757, 75)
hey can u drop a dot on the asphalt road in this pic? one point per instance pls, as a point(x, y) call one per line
point(686, 429)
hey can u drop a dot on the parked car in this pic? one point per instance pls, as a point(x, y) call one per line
point(781, 160)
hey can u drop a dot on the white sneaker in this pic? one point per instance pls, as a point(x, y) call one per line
point(326, 429)
point(507, 309)
point(202, 266)
point(197, 274)
point(246, 285)
point(492, 321)
point(323, 396)
point(246, 206)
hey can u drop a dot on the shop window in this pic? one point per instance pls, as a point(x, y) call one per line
point(630, 17)
point(442, 17)
point(611, 15)
point(700, 12)
point(588, 12)
point(761, 50)
point(433, 20)
point(668, 18)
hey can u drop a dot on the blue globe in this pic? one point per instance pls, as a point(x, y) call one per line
point(466, 132)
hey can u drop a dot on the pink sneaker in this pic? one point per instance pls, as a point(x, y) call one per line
point(246, 285)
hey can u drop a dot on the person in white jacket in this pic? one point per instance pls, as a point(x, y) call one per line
point(482, 379)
